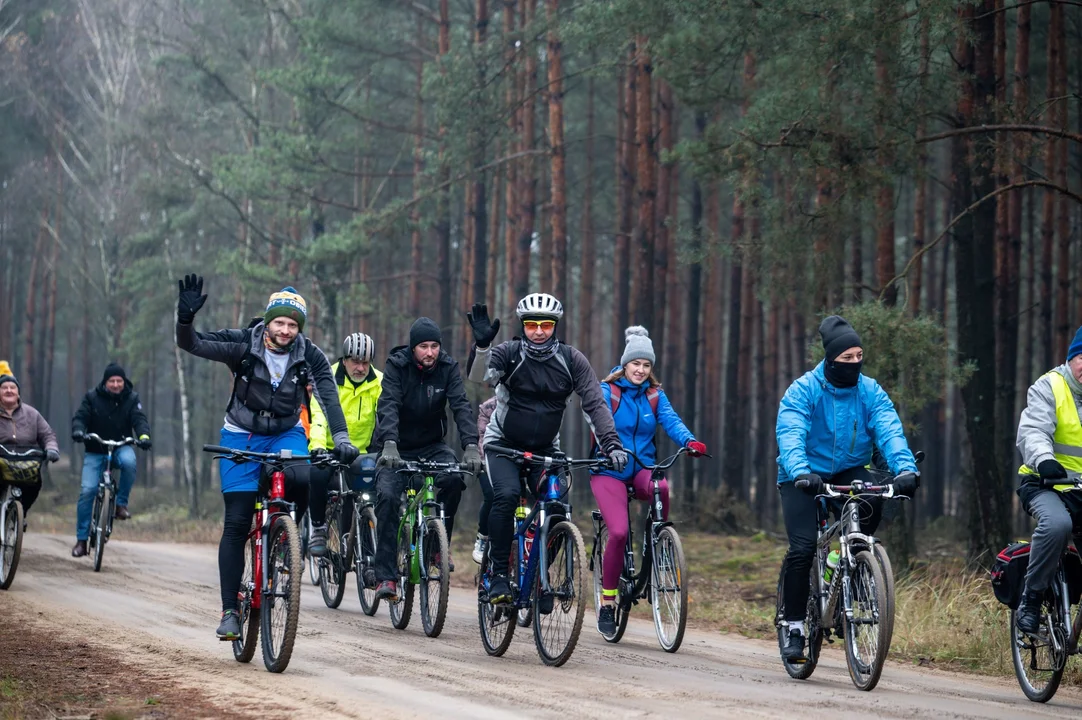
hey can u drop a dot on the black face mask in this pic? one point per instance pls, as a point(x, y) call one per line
point(842, 374)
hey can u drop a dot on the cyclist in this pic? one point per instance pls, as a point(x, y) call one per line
point(1050, 442)
point(830, 420)
point(111, 411)
point(359, 386)
point(419, 382)
point(271, 363)
point(21, 428)
point(638, 406)
point(534, 377)
point(484, 415)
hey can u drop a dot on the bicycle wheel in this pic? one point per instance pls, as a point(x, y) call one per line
point(244, 649)
point(13, 542)
point(102, 508)
point(366, 562)
point(866, 640)
point(332, 568)
point(436, 574)
point(306, 533)
point(600, 544)
point(1037, 664)
point(668, 589)
point(558, 613)
point(814, 633)
point(401, 607)
point(888, 575)
point(497, 622)
point(282, 602)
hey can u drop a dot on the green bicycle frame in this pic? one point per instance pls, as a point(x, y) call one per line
point(419, 505)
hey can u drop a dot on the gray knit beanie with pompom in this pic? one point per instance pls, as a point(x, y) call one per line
point(638, 347)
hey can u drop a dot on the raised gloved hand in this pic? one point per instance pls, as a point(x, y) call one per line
point(810, 483)
point(696, 448)
point(907, 484)
point(390, 458)
point(345, 452)
point(191, 298)
point(144, 442)
point(52, 455)
point(471, 457)
point(484, 330)
point(618, 459)
point(1051, 470)
point(78, 436)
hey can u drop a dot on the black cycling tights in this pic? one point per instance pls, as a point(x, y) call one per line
point(239, 511)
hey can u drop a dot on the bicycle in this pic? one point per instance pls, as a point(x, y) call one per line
point(268, 600)
point(857, 601)
point(304, 526)
point(547, 584)
point(662, 584)
point(422, 557)
point(104, 510)
point(1040, 659)
point(11, 514)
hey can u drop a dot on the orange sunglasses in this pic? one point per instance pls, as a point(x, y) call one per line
point(533, 325)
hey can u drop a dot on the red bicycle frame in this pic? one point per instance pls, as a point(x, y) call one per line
point(277, 493)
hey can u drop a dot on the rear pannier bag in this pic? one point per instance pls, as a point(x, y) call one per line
point(1009, 574)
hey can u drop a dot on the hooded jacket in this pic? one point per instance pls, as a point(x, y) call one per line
point(358, 405)
point(111, 416)
point(24, 428)
point(824, 430)
point(637, 425)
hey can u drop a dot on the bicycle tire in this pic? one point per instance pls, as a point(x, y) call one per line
point(673, 582)
point(600, 543)
point(244, 649)
point(435, 557)
point(801, 671)
point(283, 555)
point(571, 590)
point(497, 622)
point(524, 615)
point(1038, 692)
point(101, 512)
point(888, 575)
point(12, 549)
point(365, 559)
point(866, 663)
point(305, 529)
point(332, 572)
point(346, 529)
point(401, 609)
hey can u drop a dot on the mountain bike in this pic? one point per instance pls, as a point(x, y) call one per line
point(423, 556)
point(304, 527)
point(1040, 659)
point(857, 601)
point(662, 579)
point(547, 556)
point(269, 598)
point(11, 512)
point(104, 510)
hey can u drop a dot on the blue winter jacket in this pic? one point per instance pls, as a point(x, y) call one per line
point(636, 424)
point(824, 430)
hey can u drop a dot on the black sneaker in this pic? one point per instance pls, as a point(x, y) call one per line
point(1028, 615)
point(230, 627)
point(794, 648)
point(317, 542)
point(606, 620)
point(499, 592)
point(370, 578)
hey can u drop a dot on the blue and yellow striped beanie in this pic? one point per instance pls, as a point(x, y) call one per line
point(287, 303)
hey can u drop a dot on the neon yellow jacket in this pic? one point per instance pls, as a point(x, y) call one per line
point(358, 405)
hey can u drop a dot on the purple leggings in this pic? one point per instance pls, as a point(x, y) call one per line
point(611, 496)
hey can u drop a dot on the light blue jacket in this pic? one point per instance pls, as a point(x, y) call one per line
point(824, 430)
point(636, 424)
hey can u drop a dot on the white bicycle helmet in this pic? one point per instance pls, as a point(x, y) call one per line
point(359, 347)
point(540, 305)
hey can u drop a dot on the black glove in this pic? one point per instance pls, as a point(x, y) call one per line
point(810, 483)
point(346, 453)
point(78, 436)
point(318, 452)
point(1051, 470)
point(390, 458)
point(907, 484)
point(191, 298)
point(471, 457)
point(52, 455)
point(144, 442)
point(484, 330)
point(618, 459)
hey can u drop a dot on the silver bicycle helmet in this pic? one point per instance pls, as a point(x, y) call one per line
point(539, 305)
point(359, 347)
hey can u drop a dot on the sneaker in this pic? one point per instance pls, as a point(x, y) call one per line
point(122, 513)
point(370, 578)
point(1028, 615)
point(499, 592)
point(387, 589)
point(229, 629)
point(450, 561)
point(794, 647)
point(480, 545)
point(317, 542)
point(79, 550)
point(606, 620)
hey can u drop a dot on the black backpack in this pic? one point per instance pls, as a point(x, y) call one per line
point(1009, 574)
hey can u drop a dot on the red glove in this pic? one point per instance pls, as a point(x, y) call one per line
point(696, 448)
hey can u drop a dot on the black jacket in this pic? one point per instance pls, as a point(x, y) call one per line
point(412, 408)
point(113, 417)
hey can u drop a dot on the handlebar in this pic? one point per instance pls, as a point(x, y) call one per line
point(240, 456)
point(427, 467)
point(328, 460)
point(545, 460)
point(109, 443)
point(859, 487)
point(31, 454)
point(668, 462)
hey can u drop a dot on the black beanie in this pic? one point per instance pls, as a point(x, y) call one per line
point(424, 330)
point(838, 336)
point(112, 370)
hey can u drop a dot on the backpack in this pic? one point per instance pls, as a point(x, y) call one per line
point(653, 396)
point(244, 370)
point(515, 361)
point(1008, 574)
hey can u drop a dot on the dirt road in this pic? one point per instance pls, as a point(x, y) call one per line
point(156, 604)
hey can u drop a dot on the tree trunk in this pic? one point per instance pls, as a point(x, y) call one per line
point(884, 201)
point(29, 381)
point(691, 379)
point(588, 263)
point(1048, 226)
point(1067, 323)
point(644, 300)
point(556, 170)
point(443, 196)
point(920, 202)
point(622, 264)
point(416, 244)
point(664, 268)
point(528, 182)
point(514, 144)
point(479, 207)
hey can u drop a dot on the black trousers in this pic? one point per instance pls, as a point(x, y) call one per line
point(321, 479)
point(801, 512)
point(506, 489)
